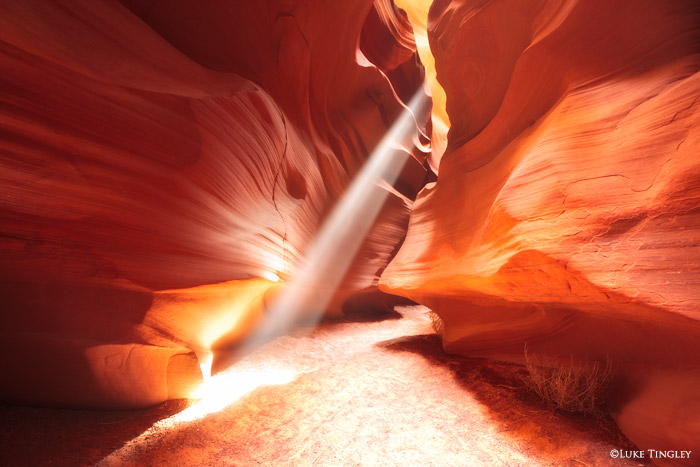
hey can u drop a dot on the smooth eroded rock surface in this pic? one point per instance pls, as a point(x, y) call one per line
point(161, 165)
point(566, 214)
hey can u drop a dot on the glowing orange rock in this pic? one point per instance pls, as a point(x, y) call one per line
point(566, 213)
point(157, 171)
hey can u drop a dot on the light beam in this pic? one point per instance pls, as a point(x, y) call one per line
point(328, 258)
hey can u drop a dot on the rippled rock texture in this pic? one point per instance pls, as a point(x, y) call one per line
point(161, 164)
point(566, 214)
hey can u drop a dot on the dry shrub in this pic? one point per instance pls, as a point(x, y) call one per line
point(436, 323)
point(576, 387)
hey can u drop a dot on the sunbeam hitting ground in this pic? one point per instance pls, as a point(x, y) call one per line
point(351, 393)
point(329, 256)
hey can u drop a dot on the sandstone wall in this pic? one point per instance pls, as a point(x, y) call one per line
point(566, 214)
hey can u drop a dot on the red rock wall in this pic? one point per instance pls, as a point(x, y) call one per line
point(158, 161)
point(567, 209)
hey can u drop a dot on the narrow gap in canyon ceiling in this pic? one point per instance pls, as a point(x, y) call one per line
point(236, 233)
point(417, 13)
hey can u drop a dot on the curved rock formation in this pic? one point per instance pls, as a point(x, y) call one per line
point(162, 165)
point(417, 13)
point(567, 210)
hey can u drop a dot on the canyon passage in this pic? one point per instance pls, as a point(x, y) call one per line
point(297, 218)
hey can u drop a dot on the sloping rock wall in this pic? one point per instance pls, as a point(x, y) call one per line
point(162, 163)
point(566, 214)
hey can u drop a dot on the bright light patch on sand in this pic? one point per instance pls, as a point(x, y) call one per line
point(311, 289)
point(325, 265)
point(225, 388)
point(217, 393)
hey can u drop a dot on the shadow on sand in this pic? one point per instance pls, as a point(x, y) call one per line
point(501, 388)
point(78, 437)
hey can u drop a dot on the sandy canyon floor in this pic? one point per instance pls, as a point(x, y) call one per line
point(379, 393)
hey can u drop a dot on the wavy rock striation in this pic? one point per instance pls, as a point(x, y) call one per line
point(567, 210)
point(161, 165)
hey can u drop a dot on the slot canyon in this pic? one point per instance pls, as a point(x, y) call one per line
point(306, 232)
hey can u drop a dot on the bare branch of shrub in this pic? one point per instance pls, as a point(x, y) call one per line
point(436, 323)
point(575, 387)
